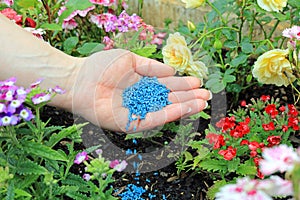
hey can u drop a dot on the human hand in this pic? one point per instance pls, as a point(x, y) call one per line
point(102, 77)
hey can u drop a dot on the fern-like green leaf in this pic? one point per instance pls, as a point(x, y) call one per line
point(22, 193)
point(10, 194)
point(77, 196)
point(76, 180)
point(43, 151)
point(30, 167)
point(214, 189)
point(246, 170)
point(213, 165)
point(22, 183)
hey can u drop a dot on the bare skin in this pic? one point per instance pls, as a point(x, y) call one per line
point(94, 84)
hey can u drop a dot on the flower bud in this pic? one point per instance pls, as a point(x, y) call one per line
point(191, 26)
point(218, 44)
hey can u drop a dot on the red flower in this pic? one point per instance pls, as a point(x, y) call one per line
point(271, 110)
point(226, 123)
point(256, 161)
point(229, 153)
point(282, 108)
point(292, 110)
point(269, 127)
point(253, 154)
point(259, 174)
point(243, 103)
point(253, 145)
point(30, 22)
point(265, 98)
point(285, 128)
point(216, 139)
point(244, 142)
point(12, 15)
point(293, 122)
point(273, 140)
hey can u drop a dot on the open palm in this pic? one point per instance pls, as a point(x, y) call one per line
point(97, 94)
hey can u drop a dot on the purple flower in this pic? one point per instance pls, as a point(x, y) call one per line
point(26, 114)
point(86, 177)
point(99, 151)
point(80, 157)
point(35, 84)
point(40, 98)
point(8, 120)
point(2, 108)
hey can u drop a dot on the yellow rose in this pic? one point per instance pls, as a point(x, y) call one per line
point(272, 5)
point(273, 67)
point(193, 3)
point(197, 69)
point(176, 53)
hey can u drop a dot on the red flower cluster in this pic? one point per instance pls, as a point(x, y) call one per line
point(18, 19)
point(229, 153)
point(234, 134)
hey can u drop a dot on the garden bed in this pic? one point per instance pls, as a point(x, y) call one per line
point(164, 182)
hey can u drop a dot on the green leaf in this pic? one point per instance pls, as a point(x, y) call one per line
point(233, 164)
point(21, 193)
point(69, 44)
point(247, 47)
point(233, 88)
point(29, 167)
point(214, 189)
point(213, 165)
point(294, 3)
point(240, 59)
point(228, 78)
point(10, 194)
point(201, 114)
point(64, 133)
point(43, 151)
point(246, 170)
point(26, 4)
point(51, 27)
point(146, 51)
point(73, 5)
point(90, 48)
point(230, 44)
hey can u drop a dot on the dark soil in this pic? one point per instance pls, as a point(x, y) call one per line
point(164, 181)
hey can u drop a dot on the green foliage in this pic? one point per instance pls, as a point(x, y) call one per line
point(233, 34)
point(245, 131)
point(31, 165)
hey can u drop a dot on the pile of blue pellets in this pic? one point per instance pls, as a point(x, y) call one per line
point(147, 95)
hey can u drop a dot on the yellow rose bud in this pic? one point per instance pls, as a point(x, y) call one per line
point(273, 67)
point(272, 5)
point(191, 26)
point(193, 3)
point(197, 69)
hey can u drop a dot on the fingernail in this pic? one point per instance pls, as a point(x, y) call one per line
point(206, 105)
point(210, 95)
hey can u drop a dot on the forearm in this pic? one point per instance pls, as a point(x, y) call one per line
point(28, 59)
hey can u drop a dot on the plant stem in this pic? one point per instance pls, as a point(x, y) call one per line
point(216, 10)
point(209, 32)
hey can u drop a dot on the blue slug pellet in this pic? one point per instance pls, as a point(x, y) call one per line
point(147, 95)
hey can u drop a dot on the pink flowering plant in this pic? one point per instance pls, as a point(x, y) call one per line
point(98, 174)
point(31, 163)
point(83, 27)
point(281, 159)
point(234, 146)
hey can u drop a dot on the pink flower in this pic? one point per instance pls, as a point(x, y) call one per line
point(70, 24)
point(292, 33)
point(276, 186)
point(104, 2)
point(245, 189)
point(7, 2)
point(278, 158)
point(109, 43)
point(12, 15)
point(115, 164)
point(40, 98)
point(80, 157)
point(86, 177)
